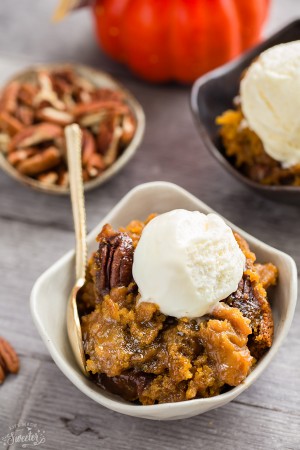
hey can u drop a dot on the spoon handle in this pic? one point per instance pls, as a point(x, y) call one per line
point(74, 143)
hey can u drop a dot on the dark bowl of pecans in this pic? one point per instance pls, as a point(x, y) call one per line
point(38, 103)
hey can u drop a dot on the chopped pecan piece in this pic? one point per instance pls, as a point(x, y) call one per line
point(88, 146)
point(114, 259)
point(108, 94)
point(4, 142)
point(10, 96)
point(16, 157)
point(63, 81)
point(35, 134)
point(128, 126)
point(95, 165)
point(63, 178)
point(9, 123)
point(93, 119)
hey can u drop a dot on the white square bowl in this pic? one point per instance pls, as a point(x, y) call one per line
point(51, 292)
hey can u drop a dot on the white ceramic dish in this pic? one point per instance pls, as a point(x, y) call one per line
point(51, 291)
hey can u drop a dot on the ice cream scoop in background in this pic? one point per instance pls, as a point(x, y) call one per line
point(186, 262)
point(270, 100)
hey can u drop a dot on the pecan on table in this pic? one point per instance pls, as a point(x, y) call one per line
point(114, 259)
point(9, 361)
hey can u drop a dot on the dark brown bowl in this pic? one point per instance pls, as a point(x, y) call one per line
point(213, 93)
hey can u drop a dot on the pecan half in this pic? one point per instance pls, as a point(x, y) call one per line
point(105, 133)
point(9, 361)
point(48, 177)
point(16, 157)
point(27, 94)
point(41, 162)
point(25, 114)
point(10, 96)
point(112, 151)
point(36, 134)
point(88, 146)
point(4, 142)
point(114, 260)
point(46, 93)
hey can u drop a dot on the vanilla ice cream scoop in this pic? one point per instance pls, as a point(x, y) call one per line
point(270, 101)
point(186, 262)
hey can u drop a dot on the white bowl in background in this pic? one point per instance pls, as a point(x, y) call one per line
point(52, 289)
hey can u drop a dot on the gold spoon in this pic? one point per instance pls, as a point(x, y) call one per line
point(74, 140)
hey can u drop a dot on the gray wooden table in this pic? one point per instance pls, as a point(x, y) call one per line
point(36, 230)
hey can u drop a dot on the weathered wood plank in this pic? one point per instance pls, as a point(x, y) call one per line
point(279, 387)
point(14, 394)
point(88, 425)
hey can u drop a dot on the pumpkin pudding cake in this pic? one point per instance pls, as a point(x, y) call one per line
point(261, 136)
point(174, 308)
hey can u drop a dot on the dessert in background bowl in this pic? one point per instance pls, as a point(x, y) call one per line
point(174, 308)
point(53, 288)
point(214, 93)
point(262, 134)
point(38, 103)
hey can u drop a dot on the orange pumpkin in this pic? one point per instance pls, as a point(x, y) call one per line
point(162, 40)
